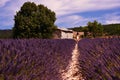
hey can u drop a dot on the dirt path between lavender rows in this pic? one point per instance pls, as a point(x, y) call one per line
point(73, 72)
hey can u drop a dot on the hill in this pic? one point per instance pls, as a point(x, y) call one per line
point(112, 29)
point(109, 29)
point(5, 34)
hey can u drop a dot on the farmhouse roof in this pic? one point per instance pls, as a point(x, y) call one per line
point(65, 30)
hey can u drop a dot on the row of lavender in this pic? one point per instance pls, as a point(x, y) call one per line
point(34, 59)
point(100, 58)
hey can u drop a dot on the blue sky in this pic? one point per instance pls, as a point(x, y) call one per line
point(69, 13)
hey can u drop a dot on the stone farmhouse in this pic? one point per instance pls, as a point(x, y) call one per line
point(63, 33)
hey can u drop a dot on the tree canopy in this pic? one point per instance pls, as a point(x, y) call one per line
point(112, 29)
point(34, 21)
point(95, 28)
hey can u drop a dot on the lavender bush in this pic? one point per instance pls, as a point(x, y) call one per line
point(100, 58)
point(34, 59)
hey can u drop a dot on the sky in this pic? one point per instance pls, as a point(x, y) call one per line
point(69, 13)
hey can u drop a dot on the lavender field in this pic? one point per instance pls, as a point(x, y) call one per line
point(100, 58)
point(60, 59)
point(34, 59)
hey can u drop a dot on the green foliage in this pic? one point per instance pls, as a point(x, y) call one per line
point(78, 29)
point(95, 28)
point(112, 29)
point(85, 30)
point(34, 21)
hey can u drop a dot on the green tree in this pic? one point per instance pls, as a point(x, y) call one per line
point(95, 28)
point(85, 29)
point(34, 21)
point(112, 29)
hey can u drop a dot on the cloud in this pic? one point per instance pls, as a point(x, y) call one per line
point(3, 2)
point(113, 21)
point(74, 21)
point(112, 18)
point(65, 9)
point(77, 20)
point(62, 7)
point(70, 20)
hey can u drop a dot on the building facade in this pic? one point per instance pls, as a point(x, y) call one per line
point(63, 33)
